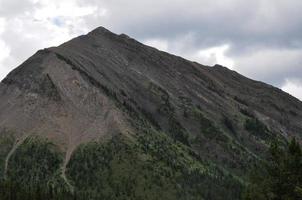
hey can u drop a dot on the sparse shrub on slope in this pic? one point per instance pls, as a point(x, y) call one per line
point(257, 128)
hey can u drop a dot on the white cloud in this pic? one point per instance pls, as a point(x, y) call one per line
point(2, 25)
point(293, 87)
point(4, 54)
point(39, 24)
point(157, 43)
point(215, 55)
point(4, 51)
point(270, 65)
point(63, 8)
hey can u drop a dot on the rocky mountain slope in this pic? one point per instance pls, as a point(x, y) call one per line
point(106, 117)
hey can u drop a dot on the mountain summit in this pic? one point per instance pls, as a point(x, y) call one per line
point(104, 116)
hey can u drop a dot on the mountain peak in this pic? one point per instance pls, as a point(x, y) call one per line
point(100, 30)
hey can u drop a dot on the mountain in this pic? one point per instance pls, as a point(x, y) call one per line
point(105, 117)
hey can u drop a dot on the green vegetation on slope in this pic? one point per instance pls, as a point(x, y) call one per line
point(35, 160)
point(280, 176)
point(146, 166)
point(257, 128)
point(149, 166)
point(34, 172)
point(6, 143)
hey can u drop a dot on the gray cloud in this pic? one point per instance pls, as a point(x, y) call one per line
point(273, 65)
point(262, 22)
point(13, 8)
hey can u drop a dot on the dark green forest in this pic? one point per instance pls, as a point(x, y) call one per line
point(147, 166)
point(279, 177)
point(150, 167)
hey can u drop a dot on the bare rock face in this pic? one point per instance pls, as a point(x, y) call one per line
point(50, 96)
point(94, 85)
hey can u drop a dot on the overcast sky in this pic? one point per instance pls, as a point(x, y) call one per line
point(261, 39)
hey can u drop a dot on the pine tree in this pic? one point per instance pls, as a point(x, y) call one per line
point(280, 177)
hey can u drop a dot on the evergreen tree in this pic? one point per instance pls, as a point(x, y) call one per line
point(280, 177)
